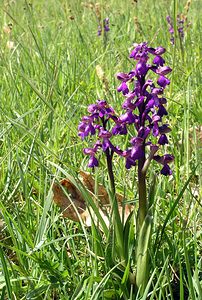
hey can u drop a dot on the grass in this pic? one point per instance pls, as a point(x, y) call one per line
point(47, 81)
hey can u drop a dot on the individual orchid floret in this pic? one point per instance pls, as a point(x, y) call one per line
point(165, 160)
point(93, 162)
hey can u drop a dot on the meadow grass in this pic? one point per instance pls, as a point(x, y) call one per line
point(48, 78)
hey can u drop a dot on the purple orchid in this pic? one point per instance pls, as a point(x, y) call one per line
point(106, 24)
point(144, 110)
point(144, 104)
point(142, 120)
point(96, 124)
point(179, 25)
point(103, 27)
point(171, 29)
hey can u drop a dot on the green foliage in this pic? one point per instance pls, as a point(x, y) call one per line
point(48, 78)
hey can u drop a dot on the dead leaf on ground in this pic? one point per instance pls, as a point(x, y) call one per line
point(73, 205)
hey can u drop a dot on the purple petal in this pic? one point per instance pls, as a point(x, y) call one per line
point(104, 133)
point(158, 60)
point(92, 108)
point(164, 129)
point(129, 163)
point(163, 140)
point(153, 149)
point(155, 118)
point(162, 111)
point(141, 68)
point(157, 91)
point(137, 141)
point(123, 76)
point(119, 129)
point(163, 81)
point(123, 88)
point(165, 159)
point(166, 170)
point(160, 50)
point(162, 100)
point(143, 132)
point(90, 129)
point(168, 158)
point(93, 162)
point(127, 104)
point(105, 144)
point(150, 104)
point(101, 103)
point(137, 152)
point(163, 70)
point(139, 101)
point(128, 117)
point(89, 151)
point(155, 129)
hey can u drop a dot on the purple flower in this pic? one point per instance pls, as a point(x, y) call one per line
point(140, 52)
point(166, 170)
point(99, 32)
point(123, 88)
point(162, 111)
point(180, 27)
point(144, 104)
point(93, 162)
point(144, 110)
point(89, 151)
point(164, 129)
point(171, 29)
point(163, 70)
point(120, 129)
point(85, 128)
point(128, 118)
point(130, 162)
point(163, 140)
point(165, 160)
point(123, 77)
point(105, 27)
point(163, 81)
point(96, 124)
point(106, 24)
point(158, 60)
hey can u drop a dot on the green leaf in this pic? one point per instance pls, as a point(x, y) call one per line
point(142, 254)
point(6, 274)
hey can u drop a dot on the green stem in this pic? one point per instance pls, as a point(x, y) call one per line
point(116, 216)
point(143, 205)
point(110, 172)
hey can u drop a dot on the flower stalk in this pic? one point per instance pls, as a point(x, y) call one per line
point(142, 192)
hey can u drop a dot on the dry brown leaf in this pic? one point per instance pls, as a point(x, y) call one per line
point(72, 203)
point(66, 205)
point(89, 183)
